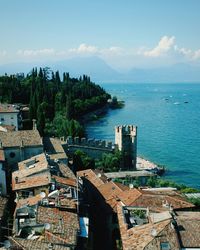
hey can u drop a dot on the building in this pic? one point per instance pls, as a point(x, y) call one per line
point(104, 197)
point(143, 229)
point(20, 145)
point(32, 177)
point(39, 224)
point(3, 188)
point(46, 219)
point(126, 141)
point(10, 115)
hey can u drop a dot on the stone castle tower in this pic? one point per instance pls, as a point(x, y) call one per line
point(126, 142)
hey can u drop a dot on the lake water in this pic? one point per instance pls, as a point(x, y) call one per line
point(168, 120)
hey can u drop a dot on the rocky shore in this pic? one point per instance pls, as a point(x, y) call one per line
point(143, 164)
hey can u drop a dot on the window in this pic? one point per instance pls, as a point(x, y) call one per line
point(165, 246)
point(12, 155)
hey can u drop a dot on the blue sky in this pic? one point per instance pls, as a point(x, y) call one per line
point(130, 33)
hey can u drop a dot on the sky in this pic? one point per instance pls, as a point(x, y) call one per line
point(126, 34)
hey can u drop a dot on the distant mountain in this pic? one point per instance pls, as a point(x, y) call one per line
point(95, 67)
point(176, 73)
point(100, 71)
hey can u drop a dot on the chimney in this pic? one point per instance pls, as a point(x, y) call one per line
point(34, 124)
point(16, 180)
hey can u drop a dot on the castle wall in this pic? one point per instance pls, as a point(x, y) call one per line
point(94, 148)
point(125, 141)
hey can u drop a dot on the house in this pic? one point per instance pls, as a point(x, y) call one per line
point(54, 150)
point(47, 220)
point(20, 145)
point(32, 177)
point(3, 188)
point(177, 230)
point(104, 196)
point(10, 115)
point(47, 225)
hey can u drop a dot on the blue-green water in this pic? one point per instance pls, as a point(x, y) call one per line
point(168, 120)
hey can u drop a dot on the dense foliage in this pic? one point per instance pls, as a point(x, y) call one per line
point(56, 104)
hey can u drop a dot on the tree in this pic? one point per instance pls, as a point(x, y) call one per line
point(41, 119)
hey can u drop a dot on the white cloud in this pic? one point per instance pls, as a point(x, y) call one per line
point(40, 52)
point(164, 45)
point(84, 49)
point(196, 55)
point(165, 53)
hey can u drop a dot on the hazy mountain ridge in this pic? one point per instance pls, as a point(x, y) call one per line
point(100, 71)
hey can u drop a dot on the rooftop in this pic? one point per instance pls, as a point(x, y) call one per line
point(64, 225)
point(145, 235)
point(96, 177)
point(31, 181)
point(21, 244)
point(20, 138)
point(65, 181)
point(6, 128)
point(188, 225)
point(33, 172)
point(157, 200)
point(54, 148)
point(8, 108)
point(66, 171)
point(32, 165)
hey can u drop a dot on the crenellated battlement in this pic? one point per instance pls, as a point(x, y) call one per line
point(102, 144)
point(126, 141)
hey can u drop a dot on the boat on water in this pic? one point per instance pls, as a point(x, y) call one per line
point(177, 103)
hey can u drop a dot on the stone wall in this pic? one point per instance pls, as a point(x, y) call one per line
point(94, 148)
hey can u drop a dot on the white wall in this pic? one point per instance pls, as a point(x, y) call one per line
point(9, 119)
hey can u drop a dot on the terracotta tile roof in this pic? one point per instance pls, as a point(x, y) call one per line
point(2, 156)
point(129, 196)
point(3, 203)
point(96, 177)
point(53, 146)
point(66, 171)
point(6, 128)
point(68, 203)
point(189, 229)
point(8, 108)
point(65, 181)
point(21, 244)
point(158, 202)
point(110, 190)
point(19, 138)
point(121, 186)
point(32, 165)
point(29, 201)
point(33, 172)
point(64, 225)
point(154, 200)
point(31, 181)
point(140, 237)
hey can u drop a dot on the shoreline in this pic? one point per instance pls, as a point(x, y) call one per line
point(144, 164)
